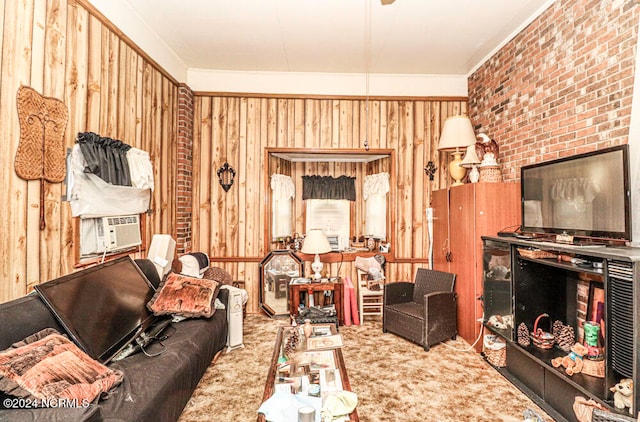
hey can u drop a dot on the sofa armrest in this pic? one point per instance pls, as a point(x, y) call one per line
point(23, 317)
point(398, 292)
point(223, 295)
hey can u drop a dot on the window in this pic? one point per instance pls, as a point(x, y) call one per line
point(332, 216)
point(109, 187)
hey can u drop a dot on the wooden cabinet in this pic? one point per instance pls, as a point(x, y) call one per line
point(461, 215)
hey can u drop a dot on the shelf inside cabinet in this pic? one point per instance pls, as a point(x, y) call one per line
point(590, 385)
point(504, 333)
point(552, 262)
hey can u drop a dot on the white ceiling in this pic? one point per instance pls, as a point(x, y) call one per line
point(436, 37)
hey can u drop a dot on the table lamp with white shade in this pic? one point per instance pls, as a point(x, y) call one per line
point(315, 242)
point(457, 134)
point(471, 160)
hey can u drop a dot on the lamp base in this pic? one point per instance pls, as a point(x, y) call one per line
point(456, 171)
point(474, 174)
point(316, 266)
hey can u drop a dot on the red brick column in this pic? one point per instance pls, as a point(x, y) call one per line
point(184, 170)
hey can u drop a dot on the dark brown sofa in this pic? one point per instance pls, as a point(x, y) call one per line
point(423, 312)
point(154, 388)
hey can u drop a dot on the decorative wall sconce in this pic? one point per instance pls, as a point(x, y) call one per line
point(430, 170)
point(226, 175)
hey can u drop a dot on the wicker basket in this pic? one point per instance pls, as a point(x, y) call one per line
point(595, 368)
point(542, 339)
point(490, 174)
point(495, 350)
point(536, 253)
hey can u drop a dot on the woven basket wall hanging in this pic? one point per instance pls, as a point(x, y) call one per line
point(40, 153)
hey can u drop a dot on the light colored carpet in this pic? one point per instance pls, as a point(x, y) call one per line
point(395, 380)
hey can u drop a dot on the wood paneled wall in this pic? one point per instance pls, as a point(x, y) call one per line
point(236, 129)
point(67, 50)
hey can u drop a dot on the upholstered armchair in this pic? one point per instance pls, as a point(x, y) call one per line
point(423, 312)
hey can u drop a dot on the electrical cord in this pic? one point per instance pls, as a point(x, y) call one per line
point(516, 228)
point(470, 347)
point(150, 340)
point(154, 341)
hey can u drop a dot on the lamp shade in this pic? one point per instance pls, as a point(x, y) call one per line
point(315, 242)
point(457, 133)
point(470, 158)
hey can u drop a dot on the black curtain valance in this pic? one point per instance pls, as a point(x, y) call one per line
point(105, 157)
point(328, 187)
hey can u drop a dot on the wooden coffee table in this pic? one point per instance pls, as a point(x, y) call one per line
point(273, 369)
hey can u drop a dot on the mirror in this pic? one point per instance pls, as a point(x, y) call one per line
point(276, 270)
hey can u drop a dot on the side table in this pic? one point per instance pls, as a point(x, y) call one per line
point(311, 287)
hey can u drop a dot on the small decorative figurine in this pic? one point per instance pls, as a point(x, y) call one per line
point(307, 328)
point(623, 394)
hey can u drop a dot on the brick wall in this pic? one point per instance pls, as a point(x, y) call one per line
point(562, 86)
point(184, 169)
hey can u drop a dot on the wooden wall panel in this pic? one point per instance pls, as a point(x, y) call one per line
point(231, 225)
point(67, 50)
point(35, 271)
point(16, 61)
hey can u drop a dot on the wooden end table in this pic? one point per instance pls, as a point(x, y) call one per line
point(335, 286)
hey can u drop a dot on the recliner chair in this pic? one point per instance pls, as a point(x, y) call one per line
point(423, 312)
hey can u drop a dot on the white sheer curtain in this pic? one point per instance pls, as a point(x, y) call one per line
point(283, 191)
point(140, 168)
point(375, 189)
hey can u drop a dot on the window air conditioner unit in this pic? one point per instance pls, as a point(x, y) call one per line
point(107, 234)
point(117, 232)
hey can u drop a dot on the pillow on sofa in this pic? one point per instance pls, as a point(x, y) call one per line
point(218, 274)
point(185, 296)
point(47, 365)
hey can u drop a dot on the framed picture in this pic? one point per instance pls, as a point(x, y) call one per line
point(595, 307)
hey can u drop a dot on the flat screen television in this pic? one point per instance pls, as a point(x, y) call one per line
point(102, 308)
point(585, 195)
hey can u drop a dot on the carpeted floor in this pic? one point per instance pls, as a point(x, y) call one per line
point(395, 380)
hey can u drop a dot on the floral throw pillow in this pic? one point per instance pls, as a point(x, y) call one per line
point(47, 366)
point(185, 296)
